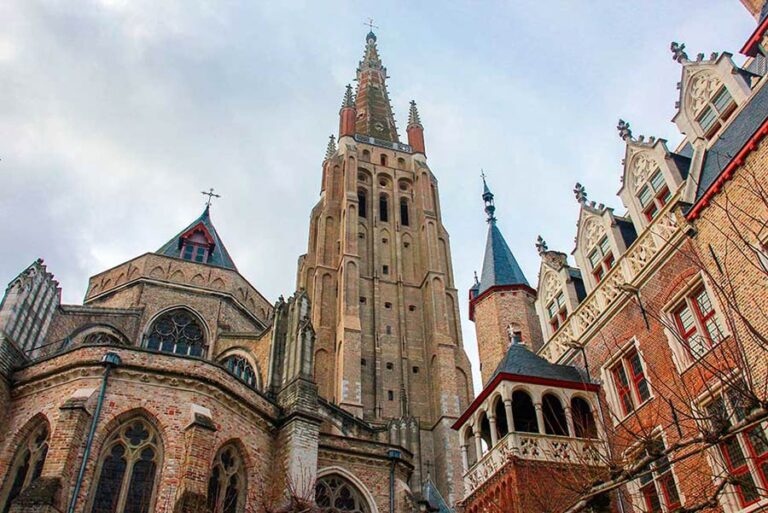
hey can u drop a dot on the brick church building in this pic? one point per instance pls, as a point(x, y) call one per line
point(177, 387)
point(634, 378)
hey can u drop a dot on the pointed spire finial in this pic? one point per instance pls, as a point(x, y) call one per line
point(678, 52)
point(624, 131)
point(371, 26)
point(541, 245)
point(580, 192)
point(349, 98)
point(331, 149)
point(477, 281)
point(413, 115)
point(490, 207)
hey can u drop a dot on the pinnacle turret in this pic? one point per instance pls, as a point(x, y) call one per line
point(490, 207)
point(413, 115)
point(349, 98)
point(330, 151)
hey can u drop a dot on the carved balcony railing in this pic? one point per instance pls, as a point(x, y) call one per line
point(538, 447)
point(384, 144)
point(631, 268)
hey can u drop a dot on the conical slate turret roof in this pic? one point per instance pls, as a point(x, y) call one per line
point(499, 265)
point(218, 256)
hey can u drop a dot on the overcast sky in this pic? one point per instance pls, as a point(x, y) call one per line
point(115, 114)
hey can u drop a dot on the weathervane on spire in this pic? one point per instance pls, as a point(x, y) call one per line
point(210, 195)
point(370, 24)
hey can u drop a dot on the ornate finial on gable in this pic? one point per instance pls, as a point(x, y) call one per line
point(541, 245)
point(331, 149)
point(624, 131)
point(580, 192)
point(678, 52)
point(413, 115)
point(490, 207)
point(349, 98)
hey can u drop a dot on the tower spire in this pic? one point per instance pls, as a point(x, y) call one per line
point(374, 110)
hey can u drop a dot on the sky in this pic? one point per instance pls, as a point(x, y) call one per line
point(115, 114)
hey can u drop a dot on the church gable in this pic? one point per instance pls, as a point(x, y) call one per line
point(199, 242)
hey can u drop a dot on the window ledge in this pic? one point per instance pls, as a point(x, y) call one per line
point(635, 411)
point(690, 361)
point(753, 508)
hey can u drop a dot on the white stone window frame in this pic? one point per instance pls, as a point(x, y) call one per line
point(604, 256)
point(611, 390)
point(729, 500)
point(682, 356)
point(634, 487)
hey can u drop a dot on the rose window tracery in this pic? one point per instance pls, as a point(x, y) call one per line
point(179, 332)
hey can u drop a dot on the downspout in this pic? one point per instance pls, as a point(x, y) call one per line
point(110, 360)
point(393, 455)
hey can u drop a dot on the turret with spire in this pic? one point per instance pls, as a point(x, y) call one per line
point(374, 111)
point(415, 130)
point(502, 303)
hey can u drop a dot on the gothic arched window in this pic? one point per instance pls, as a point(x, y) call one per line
point(227, 485)
point(241, 369)
point(177, 331)
point(127, 470)
point(404, 218)
point(101, 338)
point(383, 208)
point(554, 416)
point(27, 465)
point(334, 494)
point(583, 420)
point(362, 203)
point(524, 413)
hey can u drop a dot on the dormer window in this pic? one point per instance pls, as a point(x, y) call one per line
point(716, 112)
point(601, 259)
point(654, 195)
point(196, 247)
point(557, 311)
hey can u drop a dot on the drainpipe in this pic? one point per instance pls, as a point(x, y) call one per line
point(393, 455)
point(110, 361)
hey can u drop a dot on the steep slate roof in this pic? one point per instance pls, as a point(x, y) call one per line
point(522, 361)
point(432, 495)
point(499, 264)
point(218, 257)
point(733, 139)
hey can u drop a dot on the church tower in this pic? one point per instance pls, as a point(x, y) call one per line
point(378, 272)
point(501, 303)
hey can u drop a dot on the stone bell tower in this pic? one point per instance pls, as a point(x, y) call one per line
point(378, 272)
point(501, 303)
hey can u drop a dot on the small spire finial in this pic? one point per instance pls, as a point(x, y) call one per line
point(210, 195)
point(349, 98)
point(413, 115)
point(371, 26)
point(477, 280)
point(625, 132)
point(541, 245)
point(490, 207)
point(331, 149)
point(580, 192)
point(678, 52)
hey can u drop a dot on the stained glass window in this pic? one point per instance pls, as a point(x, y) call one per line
point(177, 331)
point(226, 486)
point(240, 367)
point(334, 494)
point(27, 465)
point(127, 470)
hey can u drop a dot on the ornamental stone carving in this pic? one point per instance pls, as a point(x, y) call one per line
point(550, 286)
point(643, 165)
point(701, 87)
point(593, 231)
